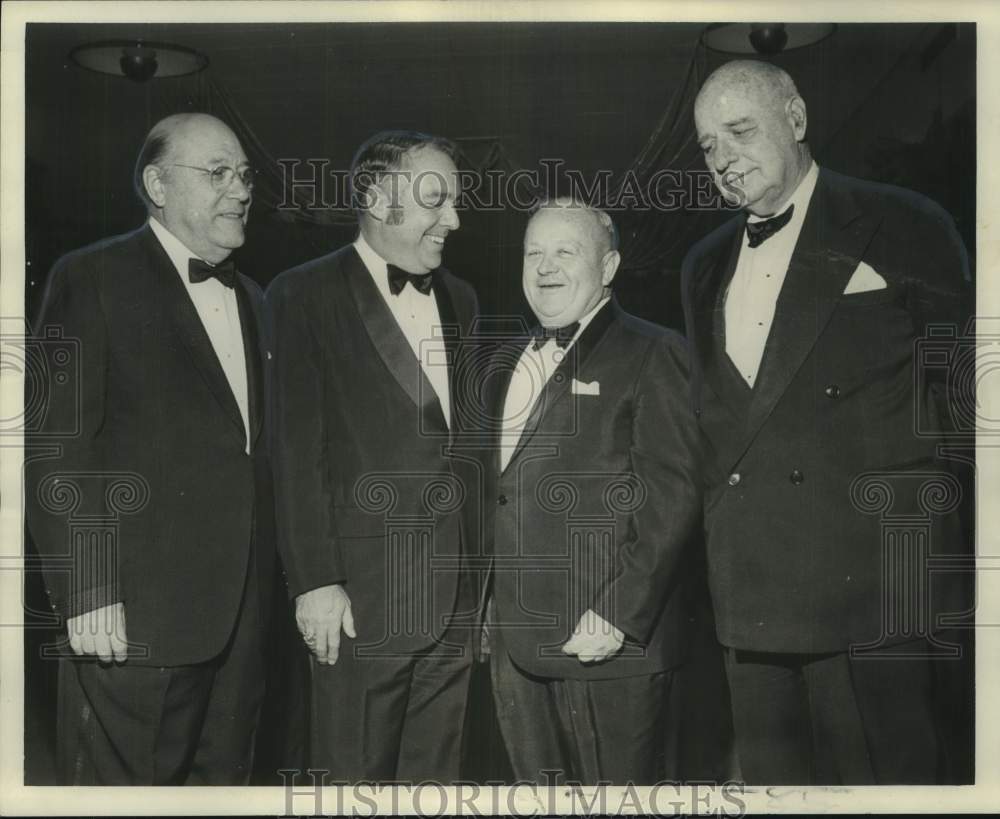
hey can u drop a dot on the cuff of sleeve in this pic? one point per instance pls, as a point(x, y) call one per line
point(624, 615)
point(87, 600)
point(315, 582)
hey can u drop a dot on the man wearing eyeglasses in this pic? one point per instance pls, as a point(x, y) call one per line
point(162, 677)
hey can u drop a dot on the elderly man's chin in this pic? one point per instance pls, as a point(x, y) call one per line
point(231, 235)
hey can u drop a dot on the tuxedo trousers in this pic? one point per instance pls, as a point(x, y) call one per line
point(588, 731)
point(830, 719)
point(394, 717)
point(147, 725)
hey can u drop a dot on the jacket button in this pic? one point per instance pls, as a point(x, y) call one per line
point(796, 477)
point(833, 391)
point(734, 479)
point(502, 500)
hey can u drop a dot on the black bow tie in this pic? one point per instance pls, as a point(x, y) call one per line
point(199, 271)
point(398, 278)
point(763, 230)
point(563, 335)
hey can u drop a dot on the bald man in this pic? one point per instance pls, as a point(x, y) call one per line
point(595, 475)
point(803, 312)
point(154, 515)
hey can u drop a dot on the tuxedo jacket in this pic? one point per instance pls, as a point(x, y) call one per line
point(598, 501)
point(837, 439)
point(138, 486)
point(369, 493)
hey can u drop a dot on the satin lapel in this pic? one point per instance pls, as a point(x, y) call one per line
point(709, 298)
point(452, 338)
point(252, 352)
point(385, 333)
point(174, 299)
point(567, 370)
point(503, 362)
point(833, 238)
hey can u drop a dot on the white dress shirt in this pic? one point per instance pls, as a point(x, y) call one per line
point(219, 312)
point(418, 317)
point(760, 273)
point(533, 371)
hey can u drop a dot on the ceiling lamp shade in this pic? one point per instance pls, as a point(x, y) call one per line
point(765, 39)
point(139, 60)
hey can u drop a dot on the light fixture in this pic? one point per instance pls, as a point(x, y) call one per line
point(765, 39)
point(139, 60)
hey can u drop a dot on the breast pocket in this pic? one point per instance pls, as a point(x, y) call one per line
point(870, 298)
point(874, 325)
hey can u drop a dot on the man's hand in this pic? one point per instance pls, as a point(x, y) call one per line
point(320, 614)
point(101, 632)
point(594, 639)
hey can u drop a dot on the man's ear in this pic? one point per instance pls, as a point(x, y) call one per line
point(152, 181)
point(795, 110)
point(609, 264)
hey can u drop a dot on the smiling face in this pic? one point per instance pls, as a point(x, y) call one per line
point(210, 221)
point(752, 136)
point(416, 210)
point(568, 262)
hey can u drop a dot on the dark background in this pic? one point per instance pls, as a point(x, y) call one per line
point(894, 103)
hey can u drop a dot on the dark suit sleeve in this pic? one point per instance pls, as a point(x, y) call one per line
point(941, 293)
point(665, 464)
point(73, 418)
point(299, 445)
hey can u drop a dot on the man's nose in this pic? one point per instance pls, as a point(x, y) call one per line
point(724, 155)
point(238, 189)
point(547, 265)
point(449, 216)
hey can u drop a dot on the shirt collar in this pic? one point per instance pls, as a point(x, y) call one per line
point(376, 265)
point(800, 198)
point(178, 252)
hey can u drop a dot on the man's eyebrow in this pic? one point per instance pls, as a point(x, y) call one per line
point(221, 160)
point(741, 121)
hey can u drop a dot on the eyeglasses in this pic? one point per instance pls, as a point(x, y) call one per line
point(222, 176)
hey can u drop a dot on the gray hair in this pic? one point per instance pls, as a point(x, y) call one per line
point(773, 83)
point(604, 225)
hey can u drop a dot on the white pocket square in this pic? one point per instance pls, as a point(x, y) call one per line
point(579, 388)
point(864, 279)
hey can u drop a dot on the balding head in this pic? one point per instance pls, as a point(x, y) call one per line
point(595, 221)
point(174, 177)
point(766, 84)
point(751, 125)
point(156, 147)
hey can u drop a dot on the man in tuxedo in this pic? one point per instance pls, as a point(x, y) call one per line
point(803, 312)
point(370, 496)
point(153, 512)
point(595, 478)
